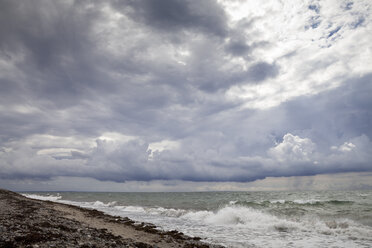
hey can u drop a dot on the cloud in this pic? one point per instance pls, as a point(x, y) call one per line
point(175, 15)
point(237, 47)
point(293, 149)
point(215, 91)
point(119, 161)
point(261, 71)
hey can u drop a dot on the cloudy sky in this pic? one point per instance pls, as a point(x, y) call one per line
point(185, 95)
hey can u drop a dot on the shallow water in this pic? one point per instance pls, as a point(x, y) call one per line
point(244, 219)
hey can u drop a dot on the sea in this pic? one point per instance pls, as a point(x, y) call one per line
point(243, 219)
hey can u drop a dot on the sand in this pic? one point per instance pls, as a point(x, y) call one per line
point(28, 222)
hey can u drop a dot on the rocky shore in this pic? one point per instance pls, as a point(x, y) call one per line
point(27, 222)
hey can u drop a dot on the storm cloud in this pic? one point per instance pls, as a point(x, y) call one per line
point(209, 91)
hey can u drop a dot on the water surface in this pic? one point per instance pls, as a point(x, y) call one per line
point(244, 219)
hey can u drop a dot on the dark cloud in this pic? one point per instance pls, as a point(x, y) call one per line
point(261, 71)
point(176, 15)
point(238, 48)
point(51, 44)
point(334, 31)
point(314, 7)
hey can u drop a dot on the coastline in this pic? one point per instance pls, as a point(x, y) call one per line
point(26, 222)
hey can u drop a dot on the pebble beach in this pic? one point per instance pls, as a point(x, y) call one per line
point(28, 222)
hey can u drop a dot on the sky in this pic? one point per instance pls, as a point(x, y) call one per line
point(171, 95)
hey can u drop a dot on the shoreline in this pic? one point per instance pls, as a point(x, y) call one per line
point(26, 222)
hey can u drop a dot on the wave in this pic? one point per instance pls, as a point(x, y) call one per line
point(44, 197)
point(300, 202)
point(101, 204)
point(322, 202)
point(241, 216)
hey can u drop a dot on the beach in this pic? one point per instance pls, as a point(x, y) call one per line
point(28, 222)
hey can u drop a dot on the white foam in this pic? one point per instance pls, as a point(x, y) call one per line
point(278, 201)
point(169, 212)
point(297, 201)
point(237, 215)
point(248, 224)
point(134, 209)
point(101, 204)
point(44, 197)
point(307, 201)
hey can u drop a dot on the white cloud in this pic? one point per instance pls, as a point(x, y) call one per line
point(162, 145)
point(293, 149)
point(346, 147)
point(311, 59)
point(356, 151)
point(57, 152)
point(116, 137)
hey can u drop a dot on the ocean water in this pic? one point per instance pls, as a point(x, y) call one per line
point(243, 219)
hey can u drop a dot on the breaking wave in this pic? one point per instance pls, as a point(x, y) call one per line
point(300, 202)
point(44, 197)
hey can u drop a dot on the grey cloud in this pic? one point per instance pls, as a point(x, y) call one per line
point(334, 31)
point(175, 15)
point(348, 5)
point(78, 155)
point(238, 48)
point(221, 80)
point(210, 73)
point(358, 22)
point(314, 22)
point(129, 162)
point(54, 42)
point(336, 115)
point(261, 71)
point(314, 7)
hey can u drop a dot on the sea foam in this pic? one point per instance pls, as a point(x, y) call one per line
point(44, 197)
